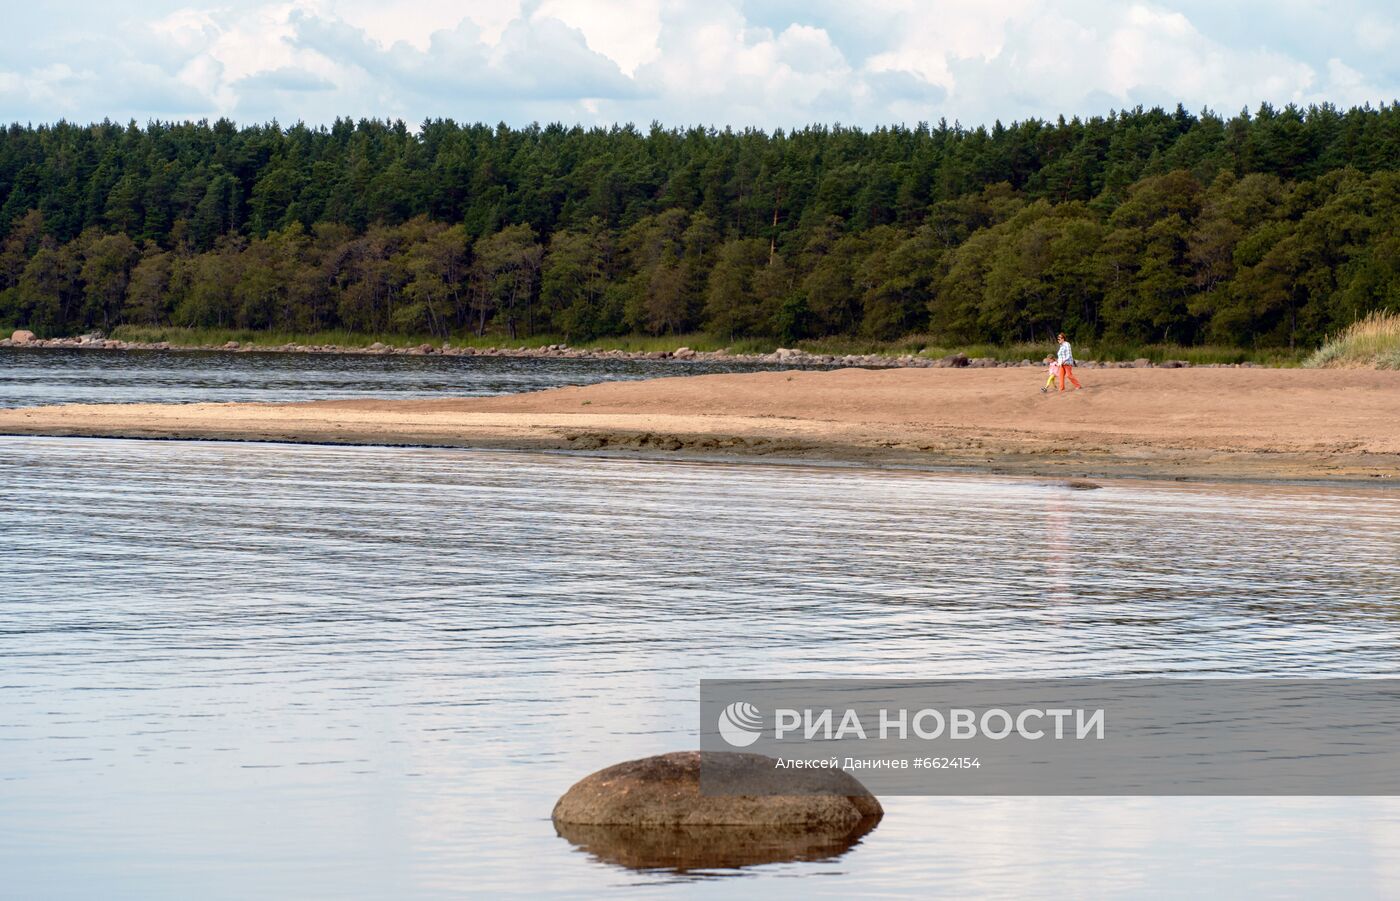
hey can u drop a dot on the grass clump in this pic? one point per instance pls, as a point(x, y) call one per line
point(1369, 343)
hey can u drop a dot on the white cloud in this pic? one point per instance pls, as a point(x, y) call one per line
point(1378, 33)
point(772, 64)
point(531, 60)
point(935, 36)
point(626, 31)
point(414, 23)
point(284, 78)
point(1155, 54)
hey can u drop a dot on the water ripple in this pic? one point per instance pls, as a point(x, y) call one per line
point(369, 672)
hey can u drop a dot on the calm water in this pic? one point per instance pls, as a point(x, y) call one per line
point(52, 376)
point(232, 671)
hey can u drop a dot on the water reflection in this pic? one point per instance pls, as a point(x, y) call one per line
point(687, 849)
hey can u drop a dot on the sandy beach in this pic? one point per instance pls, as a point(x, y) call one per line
point(1254, 424)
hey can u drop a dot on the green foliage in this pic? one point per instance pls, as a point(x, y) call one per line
point(1146, 227)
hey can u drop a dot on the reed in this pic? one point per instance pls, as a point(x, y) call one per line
point(1369, 343)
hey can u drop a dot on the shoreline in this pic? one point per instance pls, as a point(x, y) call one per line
point(832, 459)
point(784, 355)
point(1201, 424)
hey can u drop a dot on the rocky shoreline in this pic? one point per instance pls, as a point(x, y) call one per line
point(783, 355)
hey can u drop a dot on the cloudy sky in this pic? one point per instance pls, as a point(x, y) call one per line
point(722, 62)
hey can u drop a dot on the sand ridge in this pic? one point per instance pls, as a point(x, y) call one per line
point(1187, 423)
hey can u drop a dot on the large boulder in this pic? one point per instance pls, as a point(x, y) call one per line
point(665, 791)
point(22, 336)
point(651, 813)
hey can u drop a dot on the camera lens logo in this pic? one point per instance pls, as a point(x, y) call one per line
point(740, 724)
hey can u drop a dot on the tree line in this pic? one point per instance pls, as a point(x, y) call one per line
point(1266, 229)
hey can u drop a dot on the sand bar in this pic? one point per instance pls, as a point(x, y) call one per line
point(1255, 424)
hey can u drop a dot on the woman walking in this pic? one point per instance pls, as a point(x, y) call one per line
point(1066, 361)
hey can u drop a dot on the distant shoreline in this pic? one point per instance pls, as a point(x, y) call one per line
point(1259, 425)
point(782, 355)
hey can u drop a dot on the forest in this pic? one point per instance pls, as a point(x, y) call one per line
point(1272, 228)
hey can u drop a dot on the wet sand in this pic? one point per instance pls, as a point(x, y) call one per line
point(1253, 424)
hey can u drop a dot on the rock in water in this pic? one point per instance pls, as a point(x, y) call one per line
point(665, 791)
point(650, 813)
point(22, 336)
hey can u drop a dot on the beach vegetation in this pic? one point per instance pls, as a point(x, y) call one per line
point(1372, 342)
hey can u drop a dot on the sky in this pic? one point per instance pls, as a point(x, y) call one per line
point(776, 64)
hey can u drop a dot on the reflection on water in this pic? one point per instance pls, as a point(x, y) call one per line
point(309, 671)
point(55, 376)
point(683, 850)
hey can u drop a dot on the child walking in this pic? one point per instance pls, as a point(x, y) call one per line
point(1052, 369)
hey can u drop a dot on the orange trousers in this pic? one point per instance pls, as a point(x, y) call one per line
point(1067, 372)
